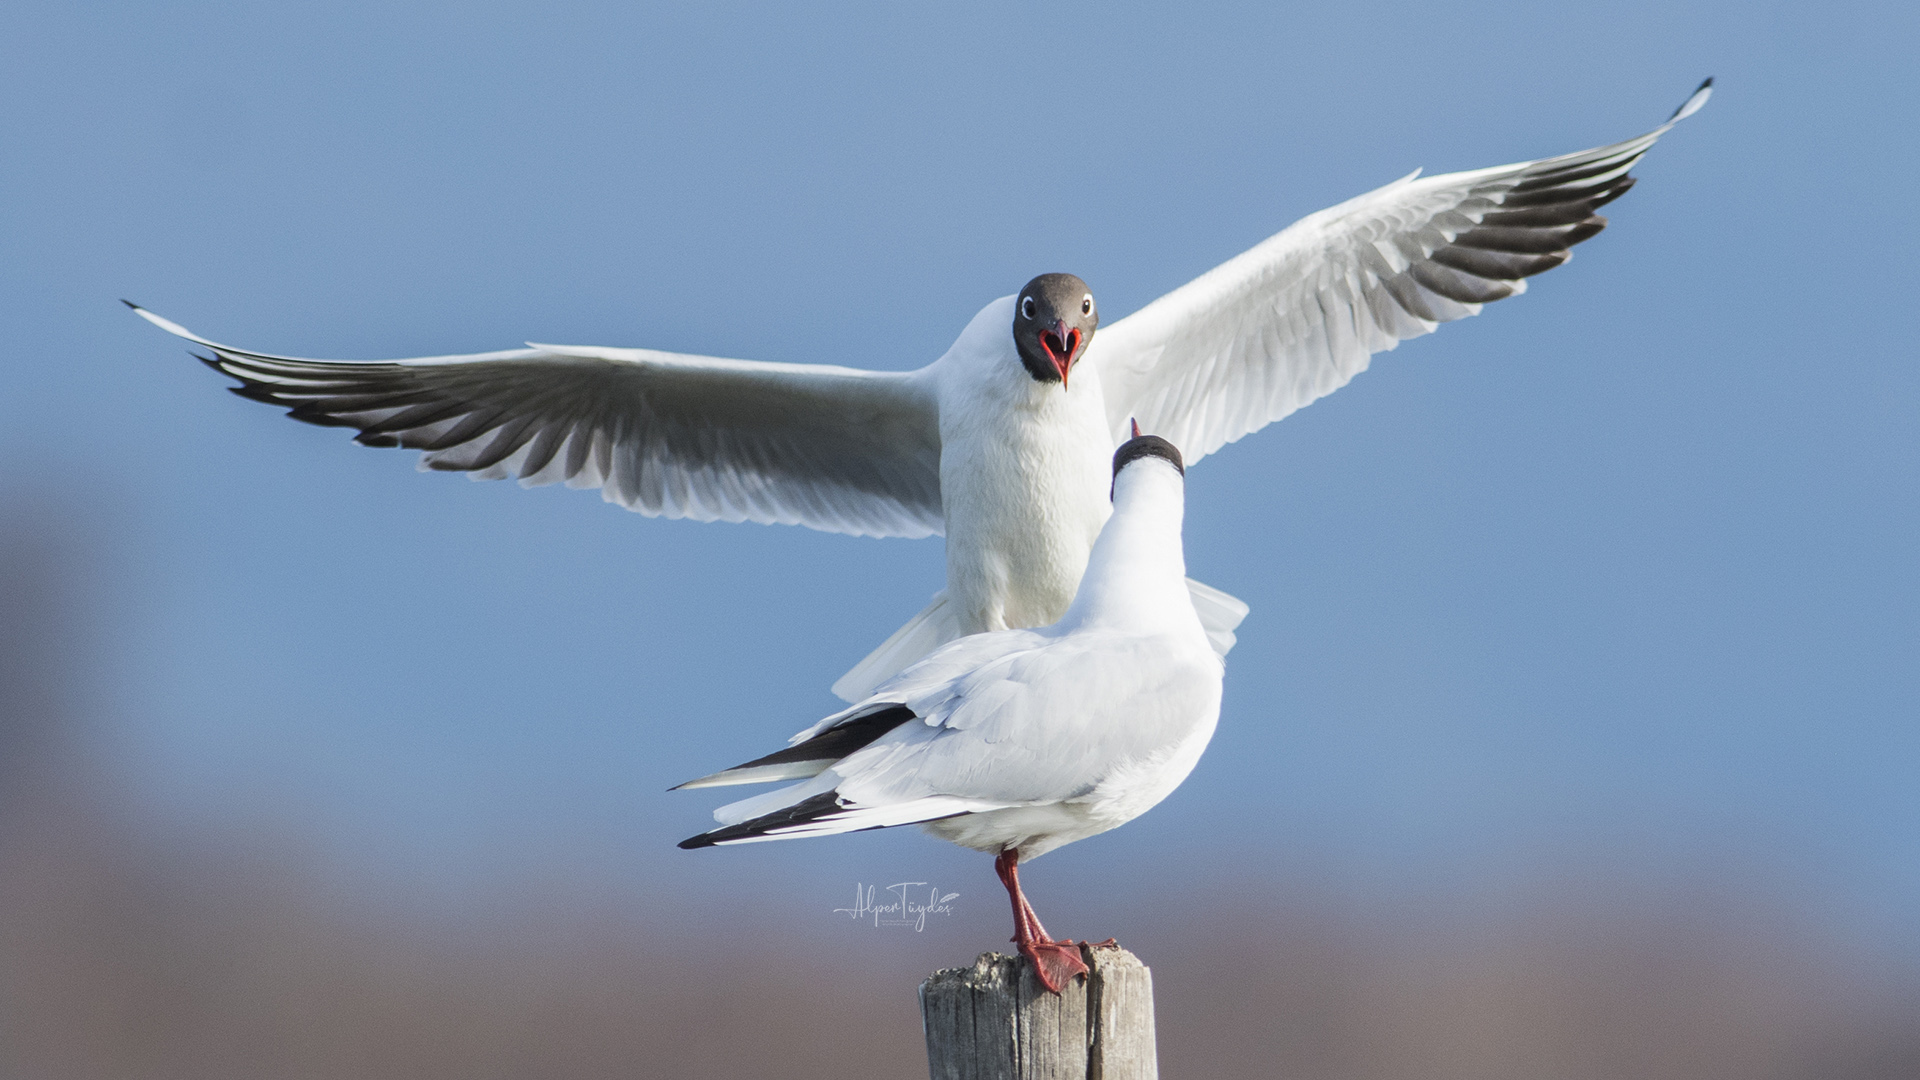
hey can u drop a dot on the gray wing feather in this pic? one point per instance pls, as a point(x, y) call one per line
point(1298, 316)
point(663, 434)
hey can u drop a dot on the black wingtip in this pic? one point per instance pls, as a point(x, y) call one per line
point(837, 742)
point(130, 304)
point(1705, 85)
point(806, 810)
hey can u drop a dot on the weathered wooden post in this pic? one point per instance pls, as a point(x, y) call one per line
point(994, 1021)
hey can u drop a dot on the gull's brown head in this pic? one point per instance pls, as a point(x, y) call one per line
point(1053, 319)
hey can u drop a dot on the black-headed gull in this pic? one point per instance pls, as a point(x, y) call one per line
point(1018, 741)
point(1002, 442)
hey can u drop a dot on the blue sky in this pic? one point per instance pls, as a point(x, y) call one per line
point(1616, 579)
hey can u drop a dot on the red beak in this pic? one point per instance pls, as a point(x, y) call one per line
point(1061, 344)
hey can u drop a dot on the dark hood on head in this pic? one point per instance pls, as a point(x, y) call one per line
point(1142, 446)
point(1054, 318)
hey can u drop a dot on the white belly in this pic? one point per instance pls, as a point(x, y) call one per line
point(1025, 488)
point(1124, 793)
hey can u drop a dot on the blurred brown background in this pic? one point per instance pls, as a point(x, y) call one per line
point(129, 950)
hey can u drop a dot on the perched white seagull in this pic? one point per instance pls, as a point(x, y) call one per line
point(1019, 741)
point(1002, 442)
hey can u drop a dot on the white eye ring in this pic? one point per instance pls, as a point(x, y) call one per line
point(1086, 304)
point(1026, 307)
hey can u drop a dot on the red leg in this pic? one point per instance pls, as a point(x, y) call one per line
point(1055, 962)
point(1033, 920)
point(1025, 922)
point(1022, 914)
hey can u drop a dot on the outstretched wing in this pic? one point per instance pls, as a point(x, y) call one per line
point(1295, 318)
point(663, 434)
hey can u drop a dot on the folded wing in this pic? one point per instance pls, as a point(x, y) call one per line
point(1295, 318)
point(1014, 718)
point(663, 434)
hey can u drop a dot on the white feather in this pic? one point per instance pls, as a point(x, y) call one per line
point(1297, 316)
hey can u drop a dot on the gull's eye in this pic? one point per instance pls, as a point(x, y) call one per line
point(1026, 307)
point(1086, 304)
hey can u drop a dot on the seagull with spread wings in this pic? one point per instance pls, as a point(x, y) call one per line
point(1001, 443)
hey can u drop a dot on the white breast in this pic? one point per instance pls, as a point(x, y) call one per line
point(1024, 474)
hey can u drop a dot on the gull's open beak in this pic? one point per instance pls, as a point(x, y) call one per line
point(1061, 344)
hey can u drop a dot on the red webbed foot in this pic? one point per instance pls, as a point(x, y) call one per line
point(1054, 962)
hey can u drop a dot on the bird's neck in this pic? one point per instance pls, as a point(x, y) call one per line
point(1137, 576)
